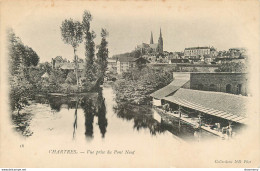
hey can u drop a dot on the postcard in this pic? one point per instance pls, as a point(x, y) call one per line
point(126, 84)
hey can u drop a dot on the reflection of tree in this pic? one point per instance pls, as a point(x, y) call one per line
point(102, 120)
point(142, 117)
point(94, 106)
point(89, 111)
point(148, 122)
point(75, 125)
point(55, 103)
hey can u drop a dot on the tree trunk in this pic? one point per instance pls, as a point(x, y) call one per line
point(76, 67)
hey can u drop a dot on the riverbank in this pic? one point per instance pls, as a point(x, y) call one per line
point(136, 85)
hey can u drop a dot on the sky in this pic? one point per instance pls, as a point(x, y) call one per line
point(184, 24)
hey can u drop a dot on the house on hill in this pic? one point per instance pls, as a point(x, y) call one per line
point(196, 53)
point(59, 63)
point(126, 63)
point(111, 64)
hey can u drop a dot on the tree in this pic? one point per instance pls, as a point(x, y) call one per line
point(19, 90)
point(46, 67)
point(21, 77)
point(102, 54)
point(90, 70)
point(29, 56)
point(89, 38)
point(232, 67)
point(136, 53)
point(14, 52)
point(34, 58)
point(72, 32)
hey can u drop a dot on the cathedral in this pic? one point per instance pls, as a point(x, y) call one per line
point(152, 48)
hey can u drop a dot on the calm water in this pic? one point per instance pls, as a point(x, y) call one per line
point(96, 118)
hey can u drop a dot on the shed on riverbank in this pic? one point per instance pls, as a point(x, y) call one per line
point(222, 105)
point(177, 83)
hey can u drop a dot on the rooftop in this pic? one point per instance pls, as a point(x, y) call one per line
point(127, 59)
point(131, 59)
point(224, 105)
point(191, 48)
point(169, 89)
point(71, 66)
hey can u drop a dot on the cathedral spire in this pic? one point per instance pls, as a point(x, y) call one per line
point(160, 43)
point(151, 40)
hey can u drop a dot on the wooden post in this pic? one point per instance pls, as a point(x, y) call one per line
point(199, 120)
point(230, 128)
point(179, 118)
point(180, 111)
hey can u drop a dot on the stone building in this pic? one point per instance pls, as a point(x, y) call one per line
point(234, 83)
point(197, 53)
point(111, 64)
point(123, 64)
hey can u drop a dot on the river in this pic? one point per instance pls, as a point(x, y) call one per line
point(96, 118)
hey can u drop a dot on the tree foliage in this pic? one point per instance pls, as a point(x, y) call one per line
point(102, 54)
point(232, 67)
point(71, 32)
point(22, 77)
point(20, 54)
point(136, 85)
point(89, 37)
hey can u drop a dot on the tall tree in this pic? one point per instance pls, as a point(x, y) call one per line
point(89, 37)
point(14, 51)
point(102, 54)
point(34, 58)
point(72, 32)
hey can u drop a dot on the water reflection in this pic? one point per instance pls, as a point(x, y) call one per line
point(94, 106)
point(55, 103)
point(142, 116)
point(88, 114)
point(102, 120)
point(75, 124)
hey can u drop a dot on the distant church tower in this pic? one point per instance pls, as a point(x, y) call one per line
point(160, 43)
point(151, 40)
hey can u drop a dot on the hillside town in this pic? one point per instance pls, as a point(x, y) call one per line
point(200, 88)
point(208, 88)
point(142, 84)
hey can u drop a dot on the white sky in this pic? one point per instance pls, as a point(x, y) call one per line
point(183, 23)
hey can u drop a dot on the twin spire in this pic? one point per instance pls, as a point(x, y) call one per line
point(151, 40)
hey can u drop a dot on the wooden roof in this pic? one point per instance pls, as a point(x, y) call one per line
point(223, 105)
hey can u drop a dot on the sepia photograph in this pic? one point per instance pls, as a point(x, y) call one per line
point(147, 84)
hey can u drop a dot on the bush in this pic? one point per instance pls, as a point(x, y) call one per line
point(136, 85)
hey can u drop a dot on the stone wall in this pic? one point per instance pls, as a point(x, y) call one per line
point(235, 83)
point(196, 68)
